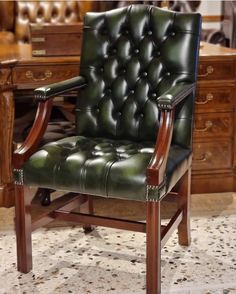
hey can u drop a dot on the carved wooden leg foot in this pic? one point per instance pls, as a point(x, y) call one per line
point(44, 195)
point(89, 228)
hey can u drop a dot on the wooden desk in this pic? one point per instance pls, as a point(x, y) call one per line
point(20, 71)
point(214, 140)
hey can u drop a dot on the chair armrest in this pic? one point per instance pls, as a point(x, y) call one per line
point(166, 103)
point(174, 95)
point(46, 92)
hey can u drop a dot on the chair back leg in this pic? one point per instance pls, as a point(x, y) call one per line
point(184, 203)
point(153, 247)
point(87, 227)
point(23, 228)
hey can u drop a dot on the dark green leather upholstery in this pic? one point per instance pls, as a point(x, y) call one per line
point(98, 166)
point(136, 61)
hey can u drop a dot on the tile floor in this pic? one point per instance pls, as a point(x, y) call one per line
point(113, 261)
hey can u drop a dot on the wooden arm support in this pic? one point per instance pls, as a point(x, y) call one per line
point(157, 166)
point(37, 131)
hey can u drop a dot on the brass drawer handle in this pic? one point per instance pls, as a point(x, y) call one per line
point(209, 97)
point(30, 75)
point(208, 125)
point(209, 70)
point(204, 157)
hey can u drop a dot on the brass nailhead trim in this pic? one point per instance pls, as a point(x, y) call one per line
point(21, 177)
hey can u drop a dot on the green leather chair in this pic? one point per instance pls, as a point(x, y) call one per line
point(134, 129)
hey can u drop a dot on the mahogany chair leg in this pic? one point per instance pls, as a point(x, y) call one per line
point(23, 228)
point(184, 202)
point(89, 228)
point(153, 247)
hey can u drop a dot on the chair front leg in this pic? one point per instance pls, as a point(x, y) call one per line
point(23, 228)
point(153, 247)
point(184, 203)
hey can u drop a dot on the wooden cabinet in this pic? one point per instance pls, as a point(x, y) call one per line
point(214, 148)
point(20, 73)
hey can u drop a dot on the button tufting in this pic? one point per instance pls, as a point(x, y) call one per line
point(123, 70)
point(119, 113)
point(158, 53)
point(108, 91)
point(141, 115)
point(114, 50)
point(149, 33)
point(136, 51)
point(154, 95)
point(101, 69)
point(172, 33)
point(168, 73)
point(132, 92)
point(126, 32)
point(144, 74)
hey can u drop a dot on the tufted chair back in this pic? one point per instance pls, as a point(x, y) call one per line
point(130, 56)
point(15, 16)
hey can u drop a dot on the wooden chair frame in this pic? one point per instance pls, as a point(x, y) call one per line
point(156, 234)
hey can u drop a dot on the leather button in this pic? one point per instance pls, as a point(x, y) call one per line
point(168, 73)
point(141, 115)
point(108, 91)
point(123, 70)
point(97, 110)
point(149, 33)
point(154, 95)
point(101, 69)
point(132, 92)
point(158, 53)
point(119, 113)
point(114, 50)
point(172, 34)
point(144, 74)
point(136, 51)
point(126, 32)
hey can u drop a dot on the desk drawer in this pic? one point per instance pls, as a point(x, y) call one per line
point(212, 70)
point(212, 155)
point(209, 99)
point(213, 125)
point(30, 77)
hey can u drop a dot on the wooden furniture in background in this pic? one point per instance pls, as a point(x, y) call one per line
point(56, 39)
point(214, 145)
point(15, 16)
point(19, 71)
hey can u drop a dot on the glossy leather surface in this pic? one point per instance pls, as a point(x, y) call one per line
point(130, 57)
point(98, 166)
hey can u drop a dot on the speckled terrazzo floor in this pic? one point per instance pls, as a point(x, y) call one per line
point(113, 261)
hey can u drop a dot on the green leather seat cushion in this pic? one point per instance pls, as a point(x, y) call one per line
point(103, 167)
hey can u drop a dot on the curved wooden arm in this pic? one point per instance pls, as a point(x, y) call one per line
point(37, 131)
point(157, 165)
